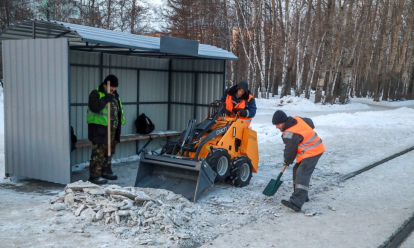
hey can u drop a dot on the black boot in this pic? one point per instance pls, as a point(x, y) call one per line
point(108, 174)
point(97, 180)
point(291, 205)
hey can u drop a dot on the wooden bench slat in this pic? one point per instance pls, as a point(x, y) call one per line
point(131, 137)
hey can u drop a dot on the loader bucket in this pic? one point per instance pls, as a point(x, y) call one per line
point(189, 178)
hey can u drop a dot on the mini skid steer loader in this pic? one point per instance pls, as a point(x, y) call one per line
point(218, 149)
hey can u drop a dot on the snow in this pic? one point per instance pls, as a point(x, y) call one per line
point(363, 211)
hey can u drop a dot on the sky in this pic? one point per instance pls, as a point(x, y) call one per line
point(355, 135)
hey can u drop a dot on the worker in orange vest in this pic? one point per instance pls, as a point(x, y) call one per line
point(239, 101)
point(301, 142)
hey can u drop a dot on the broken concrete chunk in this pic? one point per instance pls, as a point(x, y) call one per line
point(57, 199)
point(120, 192)
point(110, 209)
point(79, 210)
point(58, 206)
point(148, 204)
point(122, 213)
point(80, 186)
point(89, 214)
point(99, 215)
point(69, 199)
point(96, 191)
point(141, 196)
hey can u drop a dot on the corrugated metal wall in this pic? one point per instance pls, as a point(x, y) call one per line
point(196, 83)
point(36, 103)
point(144, 87)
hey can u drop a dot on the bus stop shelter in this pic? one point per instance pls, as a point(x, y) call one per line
point(50, 68)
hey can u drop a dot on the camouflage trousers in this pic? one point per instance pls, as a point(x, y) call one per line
point(99, 158)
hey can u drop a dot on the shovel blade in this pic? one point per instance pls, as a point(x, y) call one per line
point(272, 187)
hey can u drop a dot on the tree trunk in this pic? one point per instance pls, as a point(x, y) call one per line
point(384, 41)
point(286, 40)
point(301, 52)
point(390, 74)
point(325, 49)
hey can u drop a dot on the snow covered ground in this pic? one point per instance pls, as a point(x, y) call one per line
point(363, 211)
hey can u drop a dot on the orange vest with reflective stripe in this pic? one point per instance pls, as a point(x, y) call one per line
point(240, 105)
point(311, 144)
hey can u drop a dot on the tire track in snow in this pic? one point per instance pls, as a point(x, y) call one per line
point(402, 233)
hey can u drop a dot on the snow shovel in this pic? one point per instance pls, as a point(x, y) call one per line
point(108, 90)
point(274, 185)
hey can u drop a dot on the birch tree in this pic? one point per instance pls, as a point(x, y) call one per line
point(286, 37)
point(329, 11)
point(383, 43)
point(389, 82)
point(302, 44)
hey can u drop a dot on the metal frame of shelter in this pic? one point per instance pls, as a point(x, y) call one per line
point(50, 68)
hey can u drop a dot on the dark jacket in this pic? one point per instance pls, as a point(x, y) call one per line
point(250, 105)
point(291, 145)
point(98, 134)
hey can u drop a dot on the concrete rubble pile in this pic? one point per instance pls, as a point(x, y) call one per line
point(129, 211)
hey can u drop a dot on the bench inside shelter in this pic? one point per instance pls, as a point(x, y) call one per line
point(135, 137)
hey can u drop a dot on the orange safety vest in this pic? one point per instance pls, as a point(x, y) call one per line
point(240, 105)
point(311, 144)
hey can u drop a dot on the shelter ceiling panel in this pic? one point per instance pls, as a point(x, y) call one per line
point(153, 86)
point(108, 41)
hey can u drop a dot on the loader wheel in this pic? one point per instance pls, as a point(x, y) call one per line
point(219, 160)
point(241, 173)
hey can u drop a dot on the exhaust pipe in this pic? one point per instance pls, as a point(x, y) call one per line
point(182, 176)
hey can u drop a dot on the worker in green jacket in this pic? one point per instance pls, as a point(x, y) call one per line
point(97, 118)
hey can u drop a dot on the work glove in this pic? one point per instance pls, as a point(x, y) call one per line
point(108, 97)
point(243, 113)
point(240, 112)
point(284, 163)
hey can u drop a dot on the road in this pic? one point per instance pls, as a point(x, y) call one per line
point(361, 212)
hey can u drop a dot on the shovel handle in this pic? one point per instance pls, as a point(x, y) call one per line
point(281, 173)
point(108, 90)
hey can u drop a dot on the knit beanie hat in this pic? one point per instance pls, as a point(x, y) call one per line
point(279, 117)
point(243, 85)
point(113, 79)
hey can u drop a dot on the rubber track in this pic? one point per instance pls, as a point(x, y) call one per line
point(352, 174)
point(401, 235)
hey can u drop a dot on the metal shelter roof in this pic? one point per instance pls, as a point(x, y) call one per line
point(91, 39)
